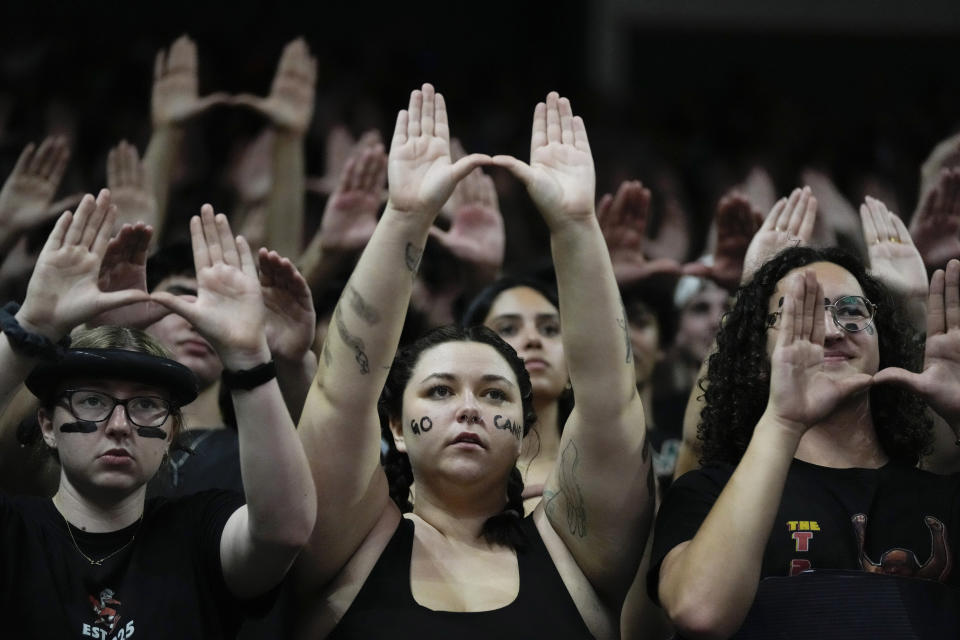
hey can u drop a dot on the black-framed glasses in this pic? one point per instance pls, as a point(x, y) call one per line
point(851, 313)
point(97, 406)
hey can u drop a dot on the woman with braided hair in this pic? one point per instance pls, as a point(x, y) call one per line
point(461, 560)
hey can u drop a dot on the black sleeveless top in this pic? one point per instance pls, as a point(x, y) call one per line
point(385, 607)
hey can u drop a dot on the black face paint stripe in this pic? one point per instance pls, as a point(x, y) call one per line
point(80, 426)
point(151, 432)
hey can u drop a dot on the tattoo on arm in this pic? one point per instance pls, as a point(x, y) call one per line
point(361, 307)
point(626, 333)
point(352, 341)
point(412, 257)
point(572, 496)
point(325, 352)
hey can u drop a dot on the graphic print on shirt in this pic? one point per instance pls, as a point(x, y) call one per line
point(903, 562)
point(801, 532)
point(106, 608)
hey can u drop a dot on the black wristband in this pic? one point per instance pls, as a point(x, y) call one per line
point(25, 343)
point(249, 378)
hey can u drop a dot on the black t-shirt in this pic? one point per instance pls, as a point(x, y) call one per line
point(214, 464)
point(167, 583)
point(896, 520)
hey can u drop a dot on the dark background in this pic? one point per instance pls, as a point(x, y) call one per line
point(862, 89)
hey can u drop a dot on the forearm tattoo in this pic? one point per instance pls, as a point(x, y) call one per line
point(361, 307)
point(507, 425)
point(352, 341)
point(576, 510)
point(626, 333)
point(412, 256)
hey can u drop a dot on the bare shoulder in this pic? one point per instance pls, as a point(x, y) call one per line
point(601, 622)
point(323, 610)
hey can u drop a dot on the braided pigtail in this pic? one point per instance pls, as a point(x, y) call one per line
point(399, 477)
point(504, 528)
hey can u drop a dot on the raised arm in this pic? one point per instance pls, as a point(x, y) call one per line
point(29, 189)
point(289, 107)
point(130, 187)
point(894, 260)
point(707, 584)
point(790, 222)
point(349, 217)
point(174, 100)
point(262, 538)
point(63, 291)
point(290, 325)
point(623, 221)
point(340, 429)
point(599, 497)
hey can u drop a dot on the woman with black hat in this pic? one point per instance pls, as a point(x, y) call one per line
point(98, 560)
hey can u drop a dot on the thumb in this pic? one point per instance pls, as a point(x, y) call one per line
point(462, 167)
point(211, 100)
point(112, 299)
point(854, 384)
point(898, 376)
point(439, 235)
point(248, 100)
point(176, 304)
point(521, 170)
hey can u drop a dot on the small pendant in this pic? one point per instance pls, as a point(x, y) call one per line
point(97, 562)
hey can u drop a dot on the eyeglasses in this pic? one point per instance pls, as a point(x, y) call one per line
point(96, 406)
point(851, 313)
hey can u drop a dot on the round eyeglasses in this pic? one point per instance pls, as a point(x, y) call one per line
point(851, 313)
point(96, 406)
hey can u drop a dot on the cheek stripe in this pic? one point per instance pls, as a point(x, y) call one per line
point(80, 426)
point(151, 432)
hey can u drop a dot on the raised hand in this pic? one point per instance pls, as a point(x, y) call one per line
point(623, 221)
point(894, 260)
point(339, 147)
point(290, 103)
point(124, 266)
point(935, 227)
point(560, 177)
point(29, 189)
point(673, 232)
point(174, 99)
point(946, 155)
point(790, 223)
point(228, 310)
point(835, 215)
point(64, 290)
point(939, 382)
point(131, 191)
point(290, 319)
point(351, 212)
point(476, 234)
point(801, 392)
point(737, 222)
point(420, 172)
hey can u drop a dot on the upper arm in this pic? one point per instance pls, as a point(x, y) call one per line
point(599, 497)
point(251, 568)
point(342, 444)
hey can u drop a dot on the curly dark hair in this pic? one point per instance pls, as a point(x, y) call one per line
point(503, 528)
point(737, 384)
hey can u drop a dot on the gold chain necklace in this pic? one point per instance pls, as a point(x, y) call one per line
point(109, 555)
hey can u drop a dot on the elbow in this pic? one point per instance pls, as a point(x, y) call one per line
point(291, 530)
point(701, 619)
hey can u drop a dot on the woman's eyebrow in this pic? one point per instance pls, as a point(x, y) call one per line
point(449, 377)
point(491, 377)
